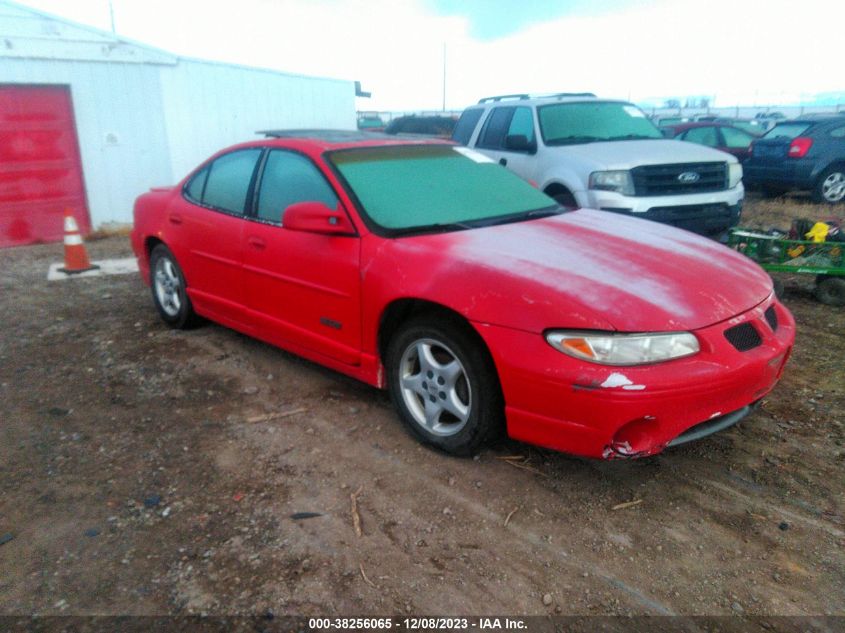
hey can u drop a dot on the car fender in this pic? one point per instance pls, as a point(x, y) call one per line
point(402, 270)
point(822, 165)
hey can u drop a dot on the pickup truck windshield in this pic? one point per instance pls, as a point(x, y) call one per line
point(410, 188)
point(589, 122)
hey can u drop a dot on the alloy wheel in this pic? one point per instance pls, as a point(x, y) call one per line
point(434, 387)
point(168, 286)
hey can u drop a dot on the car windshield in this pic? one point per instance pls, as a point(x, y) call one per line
point(405, 189)
point(588, 122)
point(787, 130)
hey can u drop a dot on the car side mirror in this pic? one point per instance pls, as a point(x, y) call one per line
point(519, 143)
point(316, 217)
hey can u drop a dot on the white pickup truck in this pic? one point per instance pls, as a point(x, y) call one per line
point(605, 154)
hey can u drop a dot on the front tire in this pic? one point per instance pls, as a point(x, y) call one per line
point(566, 199)
point(444, 385)
point(169, 289)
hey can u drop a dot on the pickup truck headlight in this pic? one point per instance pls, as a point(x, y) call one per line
point(619, 181)
point(734, 174)
point(606, 348)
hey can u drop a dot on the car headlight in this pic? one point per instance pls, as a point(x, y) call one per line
point(734, 174)
point(608, 348)
point(619, 181)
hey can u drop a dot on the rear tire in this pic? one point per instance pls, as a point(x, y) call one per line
point(169, 290)
point(830, 187)
point(444, 385)
point(831, 291)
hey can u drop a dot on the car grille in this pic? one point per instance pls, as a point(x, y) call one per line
point(743, 337)
point(772, 318)
point(666, 180)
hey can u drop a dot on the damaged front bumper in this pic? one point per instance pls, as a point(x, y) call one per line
point(576, 407)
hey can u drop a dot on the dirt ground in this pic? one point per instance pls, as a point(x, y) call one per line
point(140, 473)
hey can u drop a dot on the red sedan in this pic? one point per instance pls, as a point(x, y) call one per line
point(481, 304)
point(720, 136)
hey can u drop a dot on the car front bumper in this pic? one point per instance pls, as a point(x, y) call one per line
point(573, 406)
point(703, 213)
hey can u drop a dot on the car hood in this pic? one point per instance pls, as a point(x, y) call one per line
point(630, 154)
point(582, 269)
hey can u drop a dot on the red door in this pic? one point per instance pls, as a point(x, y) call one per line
point(40, 170)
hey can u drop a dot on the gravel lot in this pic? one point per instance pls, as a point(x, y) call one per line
point(149, 471)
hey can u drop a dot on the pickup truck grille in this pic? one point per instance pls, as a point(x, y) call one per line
point(669, 180)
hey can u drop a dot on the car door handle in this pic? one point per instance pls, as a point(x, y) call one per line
point(503, 162)
point(256, 242)
point(175, 218)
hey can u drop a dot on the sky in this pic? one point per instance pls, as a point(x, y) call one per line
point(735, 52)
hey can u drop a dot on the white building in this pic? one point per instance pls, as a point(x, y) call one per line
point(89, 120)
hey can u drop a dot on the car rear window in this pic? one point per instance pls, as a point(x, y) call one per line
point(571, 123)
point(787, 130)
point(405, 187)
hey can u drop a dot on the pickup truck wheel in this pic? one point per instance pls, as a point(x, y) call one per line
point(830, 187)
point(567, 200)
point(831, 291)
point(169, 289)
point(444, 385)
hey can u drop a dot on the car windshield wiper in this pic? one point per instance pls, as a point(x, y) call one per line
point(526, 215)
point(546, 212)
point(440, 227)
point(632, 137)
point(572, 140)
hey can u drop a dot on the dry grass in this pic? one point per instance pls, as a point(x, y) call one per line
point(778, 213)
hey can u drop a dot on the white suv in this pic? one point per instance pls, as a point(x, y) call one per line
point(606, 154)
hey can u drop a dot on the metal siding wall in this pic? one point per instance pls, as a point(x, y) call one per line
point(208, 106)
point(123, 100)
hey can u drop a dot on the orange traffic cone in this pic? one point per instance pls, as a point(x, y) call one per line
point(76, 259)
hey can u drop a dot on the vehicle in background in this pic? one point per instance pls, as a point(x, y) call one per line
point(757, 127)
point(605, 154)
point(662, 120)
point(716, 135)
point(806, 154)
point(370, 122)
point(483, 306)
point(777, 116)
point(441, 126)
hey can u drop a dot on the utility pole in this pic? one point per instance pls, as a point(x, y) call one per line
point(111, 15)
point(444, 76)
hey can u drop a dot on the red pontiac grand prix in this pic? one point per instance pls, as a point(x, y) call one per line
point(482, 305)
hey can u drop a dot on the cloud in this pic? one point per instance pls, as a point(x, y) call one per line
point(736, 51)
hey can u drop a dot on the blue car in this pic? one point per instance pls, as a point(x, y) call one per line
point(806, 154)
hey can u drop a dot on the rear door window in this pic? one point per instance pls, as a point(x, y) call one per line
point(196, 185)
point(838, 132)
point(229, 180)
point(466, 125)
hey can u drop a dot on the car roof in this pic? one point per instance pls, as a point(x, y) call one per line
point(327, 139)
point(815, 120)
point(535, 100)
point(679, 127)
